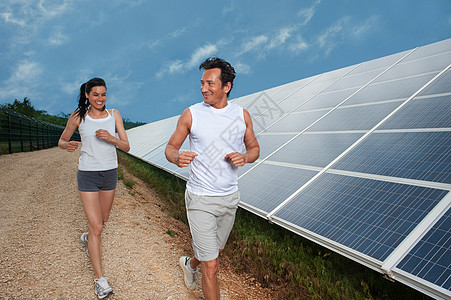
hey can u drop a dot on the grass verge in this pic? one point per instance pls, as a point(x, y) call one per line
point(279, 259)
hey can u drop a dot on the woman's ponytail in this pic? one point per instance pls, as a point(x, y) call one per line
point(85, 88)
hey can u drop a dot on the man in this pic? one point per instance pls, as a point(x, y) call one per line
point(217, 130)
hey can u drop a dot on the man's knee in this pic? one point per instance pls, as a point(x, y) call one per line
point(210, 268)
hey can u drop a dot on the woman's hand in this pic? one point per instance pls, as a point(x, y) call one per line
point(72, 146)
point(105, 135)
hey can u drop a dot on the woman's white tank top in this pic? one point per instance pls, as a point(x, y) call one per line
point(97, 154)
point(215, 133)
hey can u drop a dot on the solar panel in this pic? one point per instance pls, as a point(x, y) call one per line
point(416, 155)
point(356, 159)
point(315, 149)
point(264, 193)
point(368, 216)
point(430, 259)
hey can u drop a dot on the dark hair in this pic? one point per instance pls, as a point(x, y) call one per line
point(227, 71)
point(85, 88)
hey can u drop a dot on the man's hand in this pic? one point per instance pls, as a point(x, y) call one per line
point(185, 158)
point(236, 158)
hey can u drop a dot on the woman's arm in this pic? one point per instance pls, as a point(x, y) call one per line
point(121, 142)
point(64, 141)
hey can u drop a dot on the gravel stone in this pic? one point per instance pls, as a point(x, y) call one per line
point(42, 257)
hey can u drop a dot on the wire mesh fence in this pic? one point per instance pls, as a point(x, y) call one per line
point(19, 133)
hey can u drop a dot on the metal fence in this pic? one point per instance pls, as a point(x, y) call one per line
point(19, 133)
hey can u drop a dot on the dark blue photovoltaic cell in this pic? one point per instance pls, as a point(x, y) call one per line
point(355, 117)
point(271, 143)
point(402, 88)
point(372, 217)
point(415, 155)
point(430, 259)
point(327, 100)
point(296, 121)
point(440, 85)
point(433, 112)
point(316, 150)
point(267, 192)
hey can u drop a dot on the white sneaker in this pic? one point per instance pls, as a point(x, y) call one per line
point(190, 277)
point(84, 240)
point(102, 288)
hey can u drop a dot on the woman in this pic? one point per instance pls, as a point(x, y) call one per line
point(97, 168)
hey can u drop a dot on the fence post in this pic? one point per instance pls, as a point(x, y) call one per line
point(9, 134)
point(21, 135)
point(29, 130)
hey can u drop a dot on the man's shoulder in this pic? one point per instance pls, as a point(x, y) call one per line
point(197, 105)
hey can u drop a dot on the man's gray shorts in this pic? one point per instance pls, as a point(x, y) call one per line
point(210, 220)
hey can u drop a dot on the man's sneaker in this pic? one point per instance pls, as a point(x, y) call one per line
point(84, 240)
point(102, 288)
point(190, 277)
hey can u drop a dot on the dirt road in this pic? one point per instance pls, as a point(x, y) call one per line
point(41, 256)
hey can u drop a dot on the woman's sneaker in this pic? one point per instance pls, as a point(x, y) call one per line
point(190, 276)
point(102, 288)
point(84, 240)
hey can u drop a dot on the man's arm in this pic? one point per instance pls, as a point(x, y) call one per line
point(251, 143)
point(176, 141)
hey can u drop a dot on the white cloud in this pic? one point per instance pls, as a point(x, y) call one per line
point(299, 45)
point(9, 18)
point(171, 67)
point(175, 66)
point(23, 80)
point(179, 66)
point(57, 39)
point(82, 76)
point(328, 40)
point(366, 26)
point(153, 44)
point(201, 54)
point(308, 13)
point(26, 71)
point(30, 17)
point(254, 43)
point(241, 68)
point(228, 8)
point(281, 37)
point(50, 9)
point(177, 33)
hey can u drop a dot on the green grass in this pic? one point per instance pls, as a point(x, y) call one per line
point(169, 188)
point(276, 257)
point(129, 183)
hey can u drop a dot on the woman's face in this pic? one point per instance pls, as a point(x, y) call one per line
point(97, 97)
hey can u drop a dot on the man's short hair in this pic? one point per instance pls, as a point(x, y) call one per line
point(227, 71)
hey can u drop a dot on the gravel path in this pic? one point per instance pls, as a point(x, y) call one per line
point(41, 256)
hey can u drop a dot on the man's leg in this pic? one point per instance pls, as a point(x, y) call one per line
point(210, 284)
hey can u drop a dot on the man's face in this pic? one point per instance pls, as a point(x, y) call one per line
point(211, 87)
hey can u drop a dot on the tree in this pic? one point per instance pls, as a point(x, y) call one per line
point(24, 108)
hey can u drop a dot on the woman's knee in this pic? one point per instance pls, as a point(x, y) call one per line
point(96, 229)
point(105, 219)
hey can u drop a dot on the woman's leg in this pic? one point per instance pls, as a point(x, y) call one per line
point(106, 201)
point(93, 210)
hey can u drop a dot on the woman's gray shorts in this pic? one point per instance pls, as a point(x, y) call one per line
point(210, 220)
point(93, 181)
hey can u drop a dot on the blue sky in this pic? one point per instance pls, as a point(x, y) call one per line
point(149, 51)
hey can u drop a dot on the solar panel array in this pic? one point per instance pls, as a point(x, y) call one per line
point(357, 160)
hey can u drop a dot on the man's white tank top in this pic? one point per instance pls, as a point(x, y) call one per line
point(214, 134)
point(97, 154)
